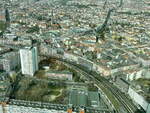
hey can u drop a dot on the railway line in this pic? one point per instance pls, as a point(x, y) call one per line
point(120, 98)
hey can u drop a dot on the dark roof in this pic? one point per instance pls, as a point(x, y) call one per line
point(78, 98)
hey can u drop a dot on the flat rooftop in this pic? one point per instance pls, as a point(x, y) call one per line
point(84, 98)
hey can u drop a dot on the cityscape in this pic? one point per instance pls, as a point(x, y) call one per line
point(74, 56)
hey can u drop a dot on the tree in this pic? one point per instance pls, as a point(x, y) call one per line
point(33, 29)
point(3, 27)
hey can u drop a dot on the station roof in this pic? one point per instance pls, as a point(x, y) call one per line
point(84, 98)
point(78, 98)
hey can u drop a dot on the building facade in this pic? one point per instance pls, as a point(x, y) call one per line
point(2, 15)
point(23, 109)
point(62, 75)
point(139, 99)
point(9, 61)
point(29, 60)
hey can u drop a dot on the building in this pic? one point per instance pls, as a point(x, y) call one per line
point(9, 61)
point(24, 109)
point(25, 40)
point(81, 97)
point(29, 60)
point(2, 15)
point(63, 75)
point(139, 99)
point(143, 73)
point(93, 98)
point(5, 86)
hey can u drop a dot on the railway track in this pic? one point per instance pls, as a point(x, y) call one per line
point(100, 81)
point(121, 97)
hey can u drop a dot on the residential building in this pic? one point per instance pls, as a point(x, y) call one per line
point(9, 61)
point(139, 99)
point(29, 60)
point(2, 15)
point(65, 75)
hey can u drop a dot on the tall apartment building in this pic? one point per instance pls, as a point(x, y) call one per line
point(29, 60)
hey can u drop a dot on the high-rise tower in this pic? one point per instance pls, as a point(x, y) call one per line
point(29, 60)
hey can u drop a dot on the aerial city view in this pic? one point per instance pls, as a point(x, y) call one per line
point(74, 56)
